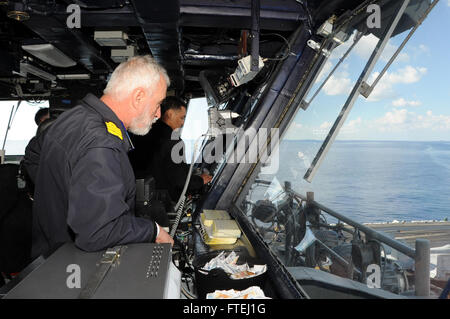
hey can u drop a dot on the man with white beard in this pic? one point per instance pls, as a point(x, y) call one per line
point(85, 186)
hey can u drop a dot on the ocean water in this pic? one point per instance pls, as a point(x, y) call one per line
point(368, 181)
point(373, 181)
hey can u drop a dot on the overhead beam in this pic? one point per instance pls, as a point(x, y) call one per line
point(160, 23)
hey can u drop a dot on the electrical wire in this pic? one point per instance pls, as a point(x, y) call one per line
point(187, 294)
point(180, 204)
point(35, 102)
point(179, 215)
point(287, 44)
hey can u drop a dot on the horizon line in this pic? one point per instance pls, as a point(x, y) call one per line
point(312, 140)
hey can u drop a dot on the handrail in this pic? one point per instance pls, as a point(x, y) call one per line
point(405, 249)
point(421, 253)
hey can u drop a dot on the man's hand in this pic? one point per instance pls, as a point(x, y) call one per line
point(206, 178)
point(163, 237)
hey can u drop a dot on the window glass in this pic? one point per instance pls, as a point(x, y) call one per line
point(23, 126)
point(386, 165)
point(195, 125)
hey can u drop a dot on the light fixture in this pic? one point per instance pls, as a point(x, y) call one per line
point(244, 72)
point(49, 54)
point(83, 76)
point(18, 15)
point(111, 38)
point(121, 55)
point(26, 68)
point(17, 12)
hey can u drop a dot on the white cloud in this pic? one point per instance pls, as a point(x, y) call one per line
point(403, 120)
point(325, 125)
point(389, 51)
point(385, 87)
point(319, 132)
point(408, 74)
point(402, 102)
point(325, 71)
point(394, 118)
point(353, 123)
point(342, 83)
point(424, 48)
point(351, 128)
point(367, 44)
point(296, 130)
point(339, 83)
point(435, 122)
point(365, 47)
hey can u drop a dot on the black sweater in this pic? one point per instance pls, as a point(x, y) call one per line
point(152, 157)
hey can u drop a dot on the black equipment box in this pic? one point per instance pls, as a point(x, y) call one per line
point(137, 271)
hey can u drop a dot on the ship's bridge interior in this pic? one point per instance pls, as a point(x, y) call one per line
point(257, 63)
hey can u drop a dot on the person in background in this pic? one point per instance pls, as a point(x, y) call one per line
point(41, 115)
point(16, 208)
point(85, 187)
point(29, 164)
point(153, 152)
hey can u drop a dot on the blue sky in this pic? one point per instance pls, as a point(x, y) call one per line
point(411, 101)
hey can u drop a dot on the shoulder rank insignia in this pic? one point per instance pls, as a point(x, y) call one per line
point(114, 130)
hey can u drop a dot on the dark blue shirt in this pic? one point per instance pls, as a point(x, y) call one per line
point(85, 186)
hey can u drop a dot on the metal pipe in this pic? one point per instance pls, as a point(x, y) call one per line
point(404, 249)
point(210, 57)
point(222, 11)
point(334, 131)
point(421, 254)
point(256, 7)
point(422, 267)
point(11, 119)
point(366, 90)
point(357, 37)
point(340, 259)
point(332, 252)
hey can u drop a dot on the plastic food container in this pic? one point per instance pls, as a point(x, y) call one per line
point(218, 279)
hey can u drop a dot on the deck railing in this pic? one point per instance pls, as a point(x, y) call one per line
point(421, 253)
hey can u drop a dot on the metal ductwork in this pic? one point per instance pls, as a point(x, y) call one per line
point(76, 45)
point(159, 20)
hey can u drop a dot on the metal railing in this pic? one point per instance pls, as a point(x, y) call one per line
point(421, 253)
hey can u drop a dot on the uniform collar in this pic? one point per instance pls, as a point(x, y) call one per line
point(166, 129)
point(108, 116)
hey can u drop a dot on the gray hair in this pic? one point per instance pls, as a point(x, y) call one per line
point(138, 71)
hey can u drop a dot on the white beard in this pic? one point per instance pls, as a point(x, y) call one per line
point(141, 125)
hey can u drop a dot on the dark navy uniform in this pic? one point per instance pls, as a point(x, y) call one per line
point(153, 156)
point(85, 186)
